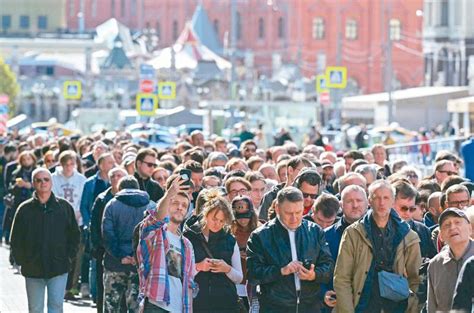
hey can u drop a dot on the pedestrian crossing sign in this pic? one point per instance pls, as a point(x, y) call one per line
point(72, 90)
point(147, 103)
point(337, 77)
point(167, 90)
point(321, 84)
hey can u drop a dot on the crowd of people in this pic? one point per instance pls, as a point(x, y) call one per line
point(208, 226)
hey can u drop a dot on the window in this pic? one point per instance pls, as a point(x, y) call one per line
point(42, 22)
point(427, 16)
point(444, 13)
point(175, 30)
point(351, 29)
point(395, 29)
point(261, 28)
point(281, 28)
point(94, 8)
point(24, 21)
point(122, 8)
point(238, 31)
point(45, 70)
point(318, 28)
point(112, 8)
point(6, 22)
point(216, 26)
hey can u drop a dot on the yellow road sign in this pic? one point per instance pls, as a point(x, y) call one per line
point(337, 77)
point(72, 90)
point(167, 90)
point(147, 103)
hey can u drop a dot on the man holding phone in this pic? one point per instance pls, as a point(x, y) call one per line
point(289, 258)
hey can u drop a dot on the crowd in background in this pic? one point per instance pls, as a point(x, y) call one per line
point(209, 226)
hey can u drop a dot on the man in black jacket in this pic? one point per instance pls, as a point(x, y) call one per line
point(44, 240)
point(145, 165)
point(289, 258)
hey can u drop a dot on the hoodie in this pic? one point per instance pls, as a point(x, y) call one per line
point(70, 188)
point(121, 215)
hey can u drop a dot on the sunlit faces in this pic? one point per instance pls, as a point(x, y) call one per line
point(290, 213)
point(405, 207)
point(178, 209)
point(354, 205)
point(215, 221)
point(455, 230)
point(146, 166)
point(381, 201)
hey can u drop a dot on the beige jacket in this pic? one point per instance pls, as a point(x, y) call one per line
point(354, 260)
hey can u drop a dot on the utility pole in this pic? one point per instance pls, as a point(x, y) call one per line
point(337, 92)
point(389, 68)
point(233, 45)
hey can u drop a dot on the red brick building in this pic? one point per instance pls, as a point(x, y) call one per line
point(304, 32)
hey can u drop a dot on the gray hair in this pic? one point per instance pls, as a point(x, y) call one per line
point(353, 188)
point(291, 194)
point(128, 182)
point(367, 168)
point(380, 184)
point(115, 170)
point(217, 156)
point(40, 170)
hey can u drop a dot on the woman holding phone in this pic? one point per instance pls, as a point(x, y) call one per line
point(217, 257)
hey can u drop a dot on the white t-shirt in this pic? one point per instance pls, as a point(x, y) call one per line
point(294, 257)
point(174, 261)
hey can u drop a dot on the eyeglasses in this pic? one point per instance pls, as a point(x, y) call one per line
point(310, 195)
point(461, 203)
point(448, 172)
point(149, 164)
point(241, 191)
point(411, 209)
point(41, 180)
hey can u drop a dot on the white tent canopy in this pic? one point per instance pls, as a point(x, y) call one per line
point(188, 51)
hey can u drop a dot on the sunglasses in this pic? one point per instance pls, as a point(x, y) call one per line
point(411, 209)
point(149, 164)
point(42, 180)
point(461, 203)
point(310, 195)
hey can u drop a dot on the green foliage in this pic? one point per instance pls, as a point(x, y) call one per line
point(8, 85)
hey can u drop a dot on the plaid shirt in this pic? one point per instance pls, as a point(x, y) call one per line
point(153, 272)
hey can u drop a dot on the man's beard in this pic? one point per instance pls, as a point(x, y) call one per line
point(175, 220)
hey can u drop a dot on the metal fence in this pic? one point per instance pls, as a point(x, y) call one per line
point(415, 153)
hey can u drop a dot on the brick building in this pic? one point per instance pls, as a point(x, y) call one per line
point(304, 32)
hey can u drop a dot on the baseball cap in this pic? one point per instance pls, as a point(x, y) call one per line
point(452, 212)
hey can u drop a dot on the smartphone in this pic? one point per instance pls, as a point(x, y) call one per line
point(332, 297)
point(185, 174)
point(307, 264)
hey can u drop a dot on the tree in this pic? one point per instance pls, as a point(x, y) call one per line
point(8, 85)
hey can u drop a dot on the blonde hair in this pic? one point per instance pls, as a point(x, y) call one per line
point(214, 202)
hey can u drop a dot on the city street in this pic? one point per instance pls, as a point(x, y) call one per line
point(13, 292)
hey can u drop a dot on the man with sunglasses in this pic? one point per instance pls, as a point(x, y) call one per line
point(308, 182)
point(145, 165)
point(405, 197)
point(44, 241)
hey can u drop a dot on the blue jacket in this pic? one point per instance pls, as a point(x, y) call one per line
point(428, 220)
point(121, 215)
point(467, 151)
point(89, 194)
point(427, 247)
point(333, 237)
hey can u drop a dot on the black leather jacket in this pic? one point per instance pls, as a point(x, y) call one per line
point(268, 250)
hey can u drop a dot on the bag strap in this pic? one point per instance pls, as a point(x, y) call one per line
point(206, 247)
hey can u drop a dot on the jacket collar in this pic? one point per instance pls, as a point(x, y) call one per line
point(448, 255)
point(52, 202)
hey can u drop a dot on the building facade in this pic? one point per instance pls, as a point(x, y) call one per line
point(31, 17)
point(448, 41)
